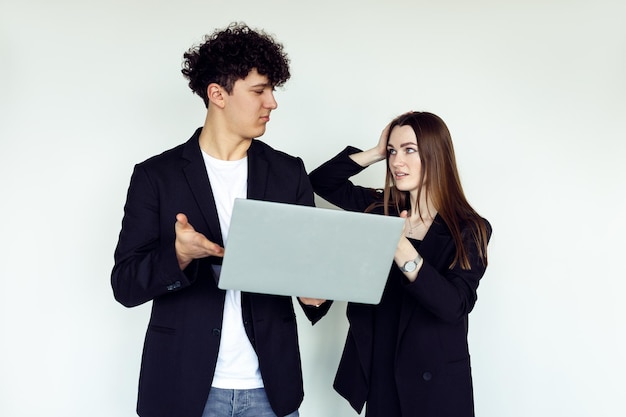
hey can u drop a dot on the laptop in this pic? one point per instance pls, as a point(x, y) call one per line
point(292, 250)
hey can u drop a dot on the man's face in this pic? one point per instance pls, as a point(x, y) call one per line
point(249, 105)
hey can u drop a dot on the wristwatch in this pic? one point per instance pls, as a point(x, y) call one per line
point(410, 266)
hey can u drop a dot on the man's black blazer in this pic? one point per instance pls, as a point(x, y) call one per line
point(182, 340)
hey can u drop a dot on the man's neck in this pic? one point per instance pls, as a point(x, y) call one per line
point(221, 144)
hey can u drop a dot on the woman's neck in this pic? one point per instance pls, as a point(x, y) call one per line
point(424, 210)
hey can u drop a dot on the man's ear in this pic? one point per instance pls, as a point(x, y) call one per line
point(215, 94)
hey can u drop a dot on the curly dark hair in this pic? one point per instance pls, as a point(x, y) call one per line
point(230, 54)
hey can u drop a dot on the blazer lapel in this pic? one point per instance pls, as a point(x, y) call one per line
point(432, 247)
point(258, 168)
point(437, 238)
point(198, 179)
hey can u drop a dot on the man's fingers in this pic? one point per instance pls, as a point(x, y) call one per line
point(213, 248)
point(181, 219)
point(312, 301)
point(195, 244)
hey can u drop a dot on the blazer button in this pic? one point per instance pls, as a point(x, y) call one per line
point(427, 376)
point(174, 286)
point(216, 332)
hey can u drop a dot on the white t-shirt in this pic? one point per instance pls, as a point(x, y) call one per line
point(237, 363)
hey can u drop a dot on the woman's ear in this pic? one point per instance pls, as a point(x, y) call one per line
point(215, 94)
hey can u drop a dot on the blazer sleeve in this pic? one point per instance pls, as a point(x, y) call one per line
point(449, 293)
point(305, 197)
point(331, 182)
point(305, 190)
point(145, 259)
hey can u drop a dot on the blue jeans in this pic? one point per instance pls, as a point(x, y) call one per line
point(239, 403)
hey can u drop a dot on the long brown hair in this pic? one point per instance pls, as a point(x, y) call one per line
point(441, 184)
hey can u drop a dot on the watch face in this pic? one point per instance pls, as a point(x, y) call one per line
point(409, 266)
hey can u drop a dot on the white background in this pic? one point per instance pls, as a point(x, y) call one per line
point(533, 91)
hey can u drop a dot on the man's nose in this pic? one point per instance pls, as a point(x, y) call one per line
point(271, 102)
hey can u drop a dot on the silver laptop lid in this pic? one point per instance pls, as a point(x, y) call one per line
point(285, 249)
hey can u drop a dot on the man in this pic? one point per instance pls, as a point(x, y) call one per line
point(210, 352)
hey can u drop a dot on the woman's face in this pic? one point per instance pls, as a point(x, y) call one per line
point(404, 159)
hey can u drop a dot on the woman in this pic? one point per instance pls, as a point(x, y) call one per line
point(408, 355)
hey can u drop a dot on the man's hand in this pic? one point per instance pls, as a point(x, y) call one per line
point(316, 302)
point(192, 245)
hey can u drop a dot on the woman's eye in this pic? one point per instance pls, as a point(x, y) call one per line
point(410, 150)
point(391, 151)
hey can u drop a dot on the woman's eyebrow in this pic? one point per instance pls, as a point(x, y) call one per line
point(402, 145)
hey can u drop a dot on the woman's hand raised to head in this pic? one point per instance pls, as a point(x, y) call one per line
point(376, 154)
point(381, 147)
